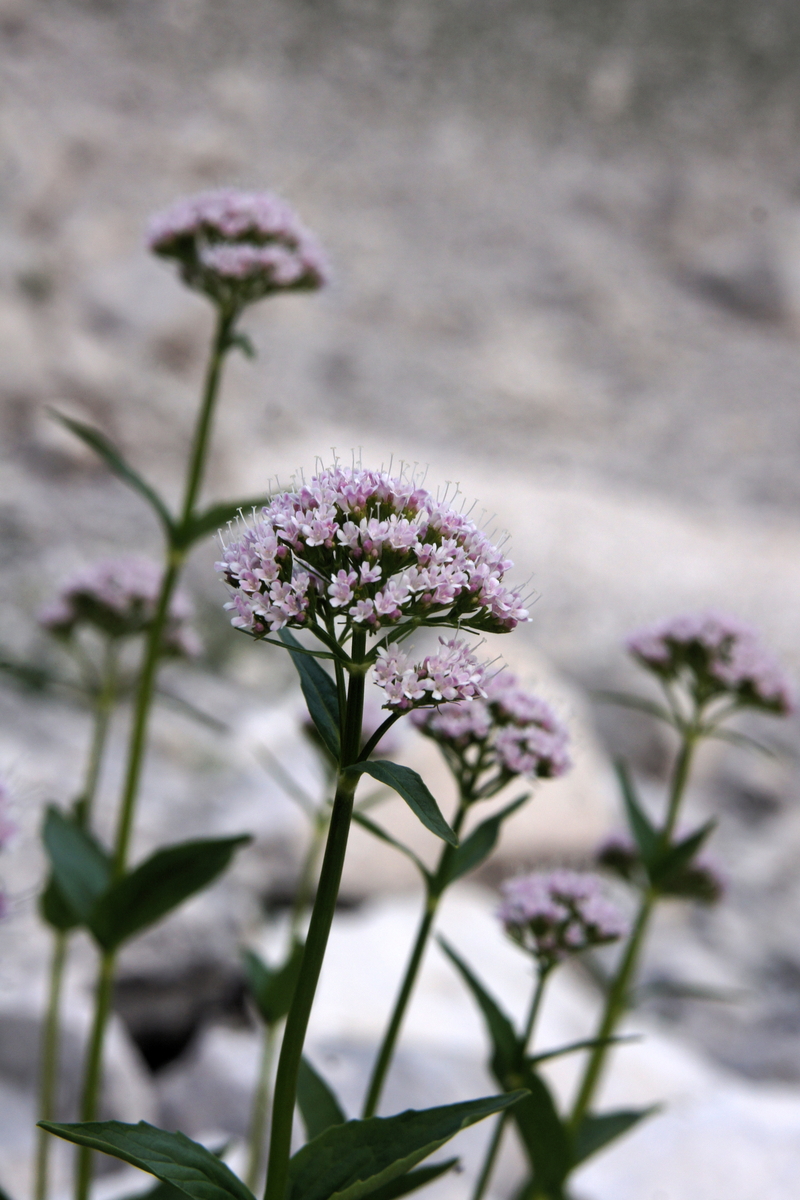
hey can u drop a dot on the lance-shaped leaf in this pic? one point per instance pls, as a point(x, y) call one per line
point(349, 1161)
point(272, 988)
point(159, 1191)
point(171, 1157)
point(320, 694)
point(98, 442)
point(585, 1044)
point(644, 833)
point(158, 885)
point(211, 519)
point(677, 857)
point(507, 1052)
point(480, 844)
point(412, 1181)
point(596, 1130)
point(318, 1105)
point(410, 786)
point(55, 910)
point(541, 1129)
point(376, 831)
point(81, 867)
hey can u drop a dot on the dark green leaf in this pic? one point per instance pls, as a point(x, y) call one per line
point(644, 833)
point(349, 1161)
point(480, 844)
point(376, 831)
point(544, 1135)
point(320, 694)
point(171, 1157)
point(159, 1191)
point(98, 442)
point(507, 1056)
point(182, 705)
point(410, 786)
point(54, 909)
point(272, 988)
point(158, 885)
point(586, 1044)
point(597, 1130)
point(412, 1181)
point(33, 676)
point(742, 740)
point(242, 342)
point(216, 517)
point(318, 1106)
point(81, 867)
point(679, 855)
point(626, 700)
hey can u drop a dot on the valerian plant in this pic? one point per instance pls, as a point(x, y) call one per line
point(343, 571)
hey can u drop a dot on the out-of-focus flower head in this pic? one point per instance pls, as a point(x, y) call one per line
point(509, 729)
point(237, 246)
point(118, 596)
point(558, 913)
point(700, 879)
point(716, 655)
point(370, 552)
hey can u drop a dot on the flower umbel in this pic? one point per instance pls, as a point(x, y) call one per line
point(238, 247)
point(716, 655)
point(558, 913)
point(370, 552)
point(453, 674)
point(118, 596)
point(509, 730)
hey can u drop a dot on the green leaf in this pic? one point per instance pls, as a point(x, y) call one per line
point(544, 1135)
point(159, 1191)
point(272, 988)
point(98, 442)
point(586, 1044)
point(349, 1161)
point(81, 867)
point(171, 1157)
point(742, 740)
point(216, 517)
point(678, 856)
point(480, 844)
point(376, 831)
point(318, 1105)
point(412, 1181)
point(55, 910)
point(644, 833)
point(410, 786)
point(158, 885)
point(507, 1056)
point(320, 694)
point(597, 1130)
point(626, 700)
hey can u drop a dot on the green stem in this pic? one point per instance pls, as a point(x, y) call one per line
point(261, 1105)
point(94, 1068)
point(104, 706)
point(48, 1079)
point(317, 939)
point(305, 884)
point(493, 1148)
point(139, 728)
point(51, 1030)
point(617, 998)
point(436, 888)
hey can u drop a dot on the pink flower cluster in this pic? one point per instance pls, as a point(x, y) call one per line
point(453, 674)
point(721, 655)
point(119, 596)
point(509, 728)
point(238, 246)
point(558, 913)
point(370, 551)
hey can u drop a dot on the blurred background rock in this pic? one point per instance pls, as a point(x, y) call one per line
point(566, 242)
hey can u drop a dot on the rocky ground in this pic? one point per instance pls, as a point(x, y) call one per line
point(567, 275)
